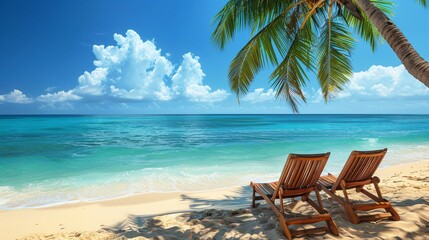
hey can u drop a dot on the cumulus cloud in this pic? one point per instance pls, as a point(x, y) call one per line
point(90, 83)
point(60, 96)
point(136, 70)
point(132, 70)
point(384, 82)
point(15, 96)
point(188, 82)
point(259, 95)
point(381, 82)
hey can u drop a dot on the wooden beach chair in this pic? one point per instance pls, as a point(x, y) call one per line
point(298, 179)
point(358, 172)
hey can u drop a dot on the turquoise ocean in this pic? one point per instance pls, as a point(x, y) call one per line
point(49, 160)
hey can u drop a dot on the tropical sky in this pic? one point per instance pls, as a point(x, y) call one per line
point(156, 57)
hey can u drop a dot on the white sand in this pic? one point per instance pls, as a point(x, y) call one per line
point(168, 215)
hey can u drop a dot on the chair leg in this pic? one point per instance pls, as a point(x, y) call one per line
point(331, 224)
point(282, 206)
point(395, 215)
point(282, 219)
point(343, 187)
point(375, 181)
point(319, 199)
point(332, 227)
point(280, 215)
point(284, 227)
point(253, 197)
point(351, 215)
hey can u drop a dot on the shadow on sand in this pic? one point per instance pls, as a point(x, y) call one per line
point(232, 218)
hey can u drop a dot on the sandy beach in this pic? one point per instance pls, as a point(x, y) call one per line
point(220, 214)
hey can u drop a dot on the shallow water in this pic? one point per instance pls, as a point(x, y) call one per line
point(47, 160)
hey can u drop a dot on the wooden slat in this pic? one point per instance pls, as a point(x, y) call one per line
point(351, 169)
point(296, 176)
point(327, 180)
point(266, 188)
point(287, 170)
point(304, 174)
point(297, 192)
point(344, 171)
point(373, 217)
point(308, 219)
point(364, 172)
point(306, 178)
point(371, 206)
point(309, 175)
point(374, 166)
point(318, 168)
point(356, 170)
point(357, 184)
point(309, 231)
point(370, 169)
point(370, 195)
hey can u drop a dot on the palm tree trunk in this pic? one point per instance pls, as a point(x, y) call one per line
point(412, 61)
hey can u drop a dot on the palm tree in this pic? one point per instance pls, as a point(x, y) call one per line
point(296, 35)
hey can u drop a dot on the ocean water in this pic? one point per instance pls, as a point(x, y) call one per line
point(47, 160)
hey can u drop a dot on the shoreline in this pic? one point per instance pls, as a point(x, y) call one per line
point(113, 214)
point(174, 192)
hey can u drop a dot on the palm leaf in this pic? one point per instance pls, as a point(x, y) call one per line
point(262, 49)
point(386, 6)
point(239, 14)
point(290, 75)
point(335, 44)
point(422, 2)
point(364, 26)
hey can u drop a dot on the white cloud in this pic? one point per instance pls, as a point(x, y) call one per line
point(316, 96)
point(188, 82)
point(259, 95)
point(60, 96)
point(133, 69)
point(378, 83)
point(384, 83)
point(136, 70)
point(91, 83)
point(15, 96)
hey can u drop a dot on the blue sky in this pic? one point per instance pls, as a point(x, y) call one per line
point(101, 57)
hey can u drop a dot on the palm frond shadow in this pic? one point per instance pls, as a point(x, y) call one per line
point(239, 200)
point(232, 218)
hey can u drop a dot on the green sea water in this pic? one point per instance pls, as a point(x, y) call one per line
point(46, 160)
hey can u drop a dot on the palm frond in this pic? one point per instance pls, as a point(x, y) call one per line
point(364, 27)
point(335, 44)
point(262, 49)
point(290, 75)
point(240, 14)
point(312, 11)
point(422, 2)
point(386, 6)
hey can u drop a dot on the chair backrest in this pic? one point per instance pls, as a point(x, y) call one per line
point(360, 166)
point(301, 171)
